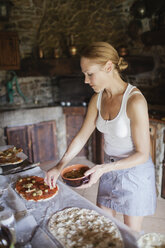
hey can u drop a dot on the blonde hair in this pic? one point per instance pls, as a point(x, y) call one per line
point(101, 52)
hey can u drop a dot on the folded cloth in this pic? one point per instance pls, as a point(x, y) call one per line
point(25, 229)
point(14, 201)
point(42, 240)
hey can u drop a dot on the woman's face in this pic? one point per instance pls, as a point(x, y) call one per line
point(94, 74)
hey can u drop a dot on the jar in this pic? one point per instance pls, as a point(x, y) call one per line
point(7, 220)
point(6, 240)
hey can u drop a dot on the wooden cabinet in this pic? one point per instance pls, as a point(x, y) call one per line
point(38, 140)
point(44, 144)
point(74, 120)
point(163, 172)
point(18, 136)
point(153, 142)
point(98, 147)
point(9, 51)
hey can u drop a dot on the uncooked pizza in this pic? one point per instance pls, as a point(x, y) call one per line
point(33, 188)
point(75, 227)
point(10, 156)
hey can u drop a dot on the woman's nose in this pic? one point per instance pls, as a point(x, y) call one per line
point(86, 80)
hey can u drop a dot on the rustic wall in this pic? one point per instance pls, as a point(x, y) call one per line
point(39, 91)
point(49, 24)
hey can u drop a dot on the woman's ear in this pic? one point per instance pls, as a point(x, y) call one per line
point(108, 66)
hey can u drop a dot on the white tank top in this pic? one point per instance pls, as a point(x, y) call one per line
point(117, 132)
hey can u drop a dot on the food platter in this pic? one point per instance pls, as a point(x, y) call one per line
point(150, 240)
point(80, 227)
point(10, 155)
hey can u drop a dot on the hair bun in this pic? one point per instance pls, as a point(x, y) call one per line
point(122, 64)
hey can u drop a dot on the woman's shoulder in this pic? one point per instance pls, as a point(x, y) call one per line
point(94, 98)
point(135, 96)
point(93, 101)
point(136, 102)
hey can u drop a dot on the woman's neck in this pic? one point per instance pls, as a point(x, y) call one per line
point(115, 85)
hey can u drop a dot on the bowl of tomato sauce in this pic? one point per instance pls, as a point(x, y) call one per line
point(73, 175)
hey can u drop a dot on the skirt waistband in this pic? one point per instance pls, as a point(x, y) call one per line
point(112, 159)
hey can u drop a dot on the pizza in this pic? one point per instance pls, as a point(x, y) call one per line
point(152, 240)
point(33, 188)
point(84, 228)
point(9, 156)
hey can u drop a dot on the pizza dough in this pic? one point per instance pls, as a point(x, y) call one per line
point(84, 228)
point(33, 188)
point(152, 240)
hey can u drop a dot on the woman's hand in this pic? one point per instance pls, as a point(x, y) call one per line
point(51, 177)
point(96, 172)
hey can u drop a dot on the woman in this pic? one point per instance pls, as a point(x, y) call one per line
point(119, 111)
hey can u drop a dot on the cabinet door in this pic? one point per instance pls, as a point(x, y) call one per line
point(9, 51)
point(153, 142)
point(18, 136)
point(44, 144)
point(38, 141)
point(163, 173)
point(74, 120)
point(98, 147)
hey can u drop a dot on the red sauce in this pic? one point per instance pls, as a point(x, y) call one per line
point(37, 185)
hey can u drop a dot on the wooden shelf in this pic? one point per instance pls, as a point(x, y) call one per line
point(139, 64)
point(70, 66)
point(156, 37)
point(49, 67)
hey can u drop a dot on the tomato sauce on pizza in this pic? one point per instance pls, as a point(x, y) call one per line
point(33, 188)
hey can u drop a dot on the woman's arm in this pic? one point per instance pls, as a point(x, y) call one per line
point(77, 143)
point(137, 112)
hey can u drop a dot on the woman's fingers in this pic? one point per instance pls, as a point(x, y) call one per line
point(90, 171)
point(93, 180)
point(53, 182)
point(51, 178)
point(46, 179)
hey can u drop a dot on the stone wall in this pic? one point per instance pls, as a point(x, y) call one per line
point(37, 90)
point(49, 25)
